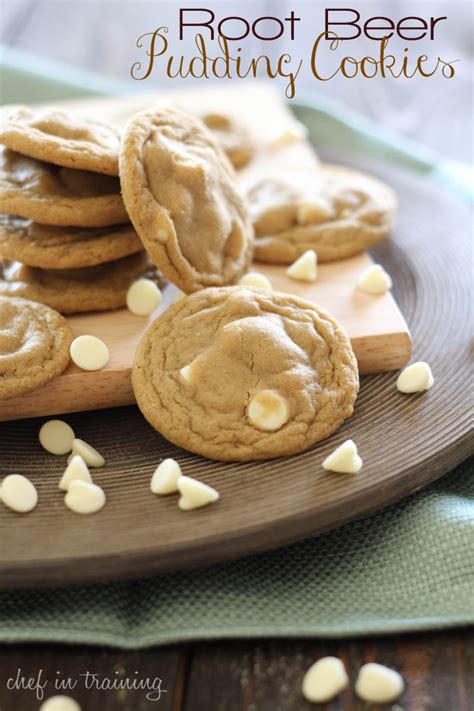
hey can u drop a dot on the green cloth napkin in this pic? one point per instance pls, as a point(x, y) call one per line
point(408, 567)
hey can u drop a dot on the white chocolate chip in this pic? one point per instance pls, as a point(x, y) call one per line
point(90, 455)
point(305, 267)
point(75, 470)
point(268, 410)
point(374, 280)
point(143, 297)
point(415, 378)
point(378, 684)
point(344, 459)
point(195, 494)
point(310, 212)
point(60, 703)
point(260, 281)
point(84, 498)
point(325, 680)
point(56, 437)
point(165, 479)
point(89, 353)
point(185, 373)
point(19, 494)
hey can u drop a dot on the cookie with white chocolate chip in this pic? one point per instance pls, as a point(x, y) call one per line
point(182, 197)
point(34, 346)
point(244, 374)
point(338, 213)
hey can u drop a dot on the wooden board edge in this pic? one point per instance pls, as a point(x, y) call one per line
point(397, 347)
point(114, 388)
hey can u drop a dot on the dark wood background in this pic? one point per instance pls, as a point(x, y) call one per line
point(253, 675)
point(256, 675)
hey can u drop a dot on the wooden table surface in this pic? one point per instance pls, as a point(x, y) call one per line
point(252, 675)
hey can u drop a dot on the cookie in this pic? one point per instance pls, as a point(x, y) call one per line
point(51, 195)
point(98, 288)
point(232, 136)
point(236, 373)
point(34, 346)
point(62, 138)
point(342, 215)
point(52, 247)
point(181, 194)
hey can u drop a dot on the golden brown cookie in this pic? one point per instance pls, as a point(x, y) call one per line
point(181, 194)
point(45, 193)
point(62, 138)
point(240, 374)
point(34, 346)
point(342, 214)
point(52, 247)
point(98, 288)
point(232, 135)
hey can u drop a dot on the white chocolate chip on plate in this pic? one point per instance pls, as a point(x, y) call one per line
point(56, 437)
point(185, 373)
point(324, 680)
point(378, 684)
point(195, 494)
point(89, 353)
point(260, 281)
point(268, 411)
point(374, 280)
point(305, 267)
point(165, 479)
point(312, 211)
point(90, 455)
point(19, 494)
point(143, 297)
point(344, 459)
point(60, 703)
point(415, 378)
point(75, 470)
point(84, 498)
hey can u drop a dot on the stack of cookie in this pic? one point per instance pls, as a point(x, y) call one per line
point(65, 236)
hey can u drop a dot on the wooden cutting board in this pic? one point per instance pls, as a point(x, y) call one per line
point(378, 331)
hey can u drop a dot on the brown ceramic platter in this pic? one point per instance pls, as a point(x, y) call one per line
point(405, 441)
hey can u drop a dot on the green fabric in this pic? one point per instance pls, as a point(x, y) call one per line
point(409, 567)
point(406, 568)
